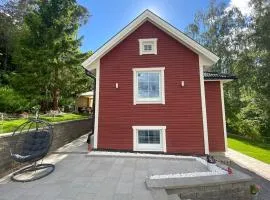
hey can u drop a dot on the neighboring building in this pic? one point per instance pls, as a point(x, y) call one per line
point(84, 102)
point(153, 92)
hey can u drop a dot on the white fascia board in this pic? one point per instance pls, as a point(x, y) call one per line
point(116, 39)
point(205, 54)
point(221, 80)
point(93, 65)
point(184, 39)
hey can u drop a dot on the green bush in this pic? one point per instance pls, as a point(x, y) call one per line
point(12, 102)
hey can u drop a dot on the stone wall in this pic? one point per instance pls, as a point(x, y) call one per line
point(216, 187)
point(64, 133)
point(227, 191)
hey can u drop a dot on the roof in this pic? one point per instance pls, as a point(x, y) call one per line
point(206, 56)
point(86, 94)
point(218, 76)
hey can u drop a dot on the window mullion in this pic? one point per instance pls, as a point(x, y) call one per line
point(148, 85)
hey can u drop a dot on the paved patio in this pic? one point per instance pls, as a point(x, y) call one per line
point(80, 176)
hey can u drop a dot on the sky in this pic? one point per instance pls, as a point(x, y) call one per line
point(109, 16)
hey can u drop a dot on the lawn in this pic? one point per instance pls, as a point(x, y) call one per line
point(256, 150)
point(9, 125)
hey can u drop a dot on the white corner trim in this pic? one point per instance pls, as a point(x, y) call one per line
point(165, 26)
point(135, 138)
point(223, 115)
point(151, 41)
point(97, 105)
point(204, 115)
point(162, 85)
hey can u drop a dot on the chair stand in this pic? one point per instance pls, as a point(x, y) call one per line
point(37, 171)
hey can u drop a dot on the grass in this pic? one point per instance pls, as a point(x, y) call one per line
point(10, 125)
point(256, 150)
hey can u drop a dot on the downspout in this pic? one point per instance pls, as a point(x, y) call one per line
point(90, 74)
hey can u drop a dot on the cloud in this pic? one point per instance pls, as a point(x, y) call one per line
point(242, 5)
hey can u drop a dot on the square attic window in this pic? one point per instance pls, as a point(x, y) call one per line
point(148, 46)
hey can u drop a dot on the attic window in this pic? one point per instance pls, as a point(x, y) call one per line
point(148, 46)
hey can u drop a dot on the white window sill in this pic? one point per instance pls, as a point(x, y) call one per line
point(149, 102)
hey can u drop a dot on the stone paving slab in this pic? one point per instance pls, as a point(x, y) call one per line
point(78, 176)
point(249, 163)
point(186, 182)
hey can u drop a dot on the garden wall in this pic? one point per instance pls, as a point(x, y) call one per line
point(215, 187)
point(238, 190)
point(64, 133)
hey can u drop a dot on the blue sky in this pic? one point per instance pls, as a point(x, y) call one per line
point(110, 16)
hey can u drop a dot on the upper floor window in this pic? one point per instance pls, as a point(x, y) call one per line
point(148, 46)
point(148, 85)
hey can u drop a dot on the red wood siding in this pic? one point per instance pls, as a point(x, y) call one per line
point(182, 113)
point(214, 116)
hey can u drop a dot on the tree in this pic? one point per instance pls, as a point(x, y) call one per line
point(228, 33)
point(48, 55)
point(260, 25)
point(221, 31)
point(11, 18)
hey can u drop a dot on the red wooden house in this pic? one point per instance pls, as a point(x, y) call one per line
point(153, 92)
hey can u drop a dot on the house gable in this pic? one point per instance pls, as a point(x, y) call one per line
point(206, 57)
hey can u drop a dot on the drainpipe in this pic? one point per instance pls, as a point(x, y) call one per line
point(90, 74)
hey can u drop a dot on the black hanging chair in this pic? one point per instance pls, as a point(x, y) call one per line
point(31, 142)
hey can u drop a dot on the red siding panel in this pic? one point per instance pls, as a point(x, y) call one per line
point(214, 116)
point(182, 113)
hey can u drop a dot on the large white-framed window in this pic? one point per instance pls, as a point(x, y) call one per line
point(148, 46)
point(149, 138)
point(148, 85)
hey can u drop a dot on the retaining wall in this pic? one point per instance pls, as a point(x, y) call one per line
point(64, 133)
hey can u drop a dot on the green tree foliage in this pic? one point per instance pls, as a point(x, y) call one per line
point(261, 39)
point(12, 102)
point(48, 56)
point(11, 18)
point(242, 43)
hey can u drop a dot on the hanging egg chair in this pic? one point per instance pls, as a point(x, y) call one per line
point(30, 143)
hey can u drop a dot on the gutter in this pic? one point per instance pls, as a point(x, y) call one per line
point(91, 75)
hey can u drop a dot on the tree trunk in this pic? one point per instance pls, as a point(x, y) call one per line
point(56, 96)
point(56, 91)
point(5, 58)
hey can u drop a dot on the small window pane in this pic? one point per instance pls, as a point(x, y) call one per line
point(142, 76)
point(153, 89)
point(147, 47)
point(154, 76)
point(143, 137)
point(143, 89)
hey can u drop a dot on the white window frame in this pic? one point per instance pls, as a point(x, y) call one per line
point(149, 147)
point(147, 41)
point(137, 100)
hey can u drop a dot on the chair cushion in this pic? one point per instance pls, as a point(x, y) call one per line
point(36, 146)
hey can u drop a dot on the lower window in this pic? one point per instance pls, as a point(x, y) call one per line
point(149, 138)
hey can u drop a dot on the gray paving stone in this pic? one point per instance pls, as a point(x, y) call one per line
point(78, 176)
point(124, 188)
point(142, 195)
point(122, 197)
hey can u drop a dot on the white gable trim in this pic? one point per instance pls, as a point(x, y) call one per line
point(206, 57)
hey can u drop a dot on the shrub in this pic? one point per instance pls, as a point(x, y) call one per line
point(12, 102)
